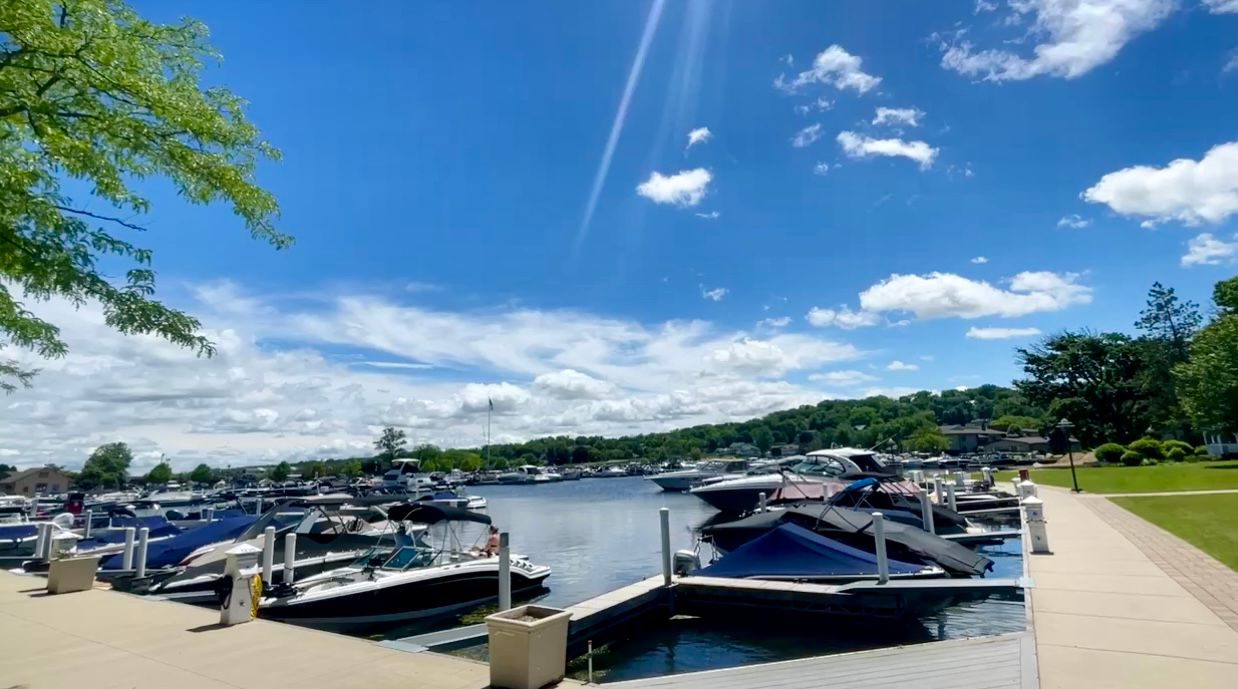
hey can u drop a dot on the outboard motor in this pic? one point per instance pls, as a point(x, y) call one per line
point(685, 562)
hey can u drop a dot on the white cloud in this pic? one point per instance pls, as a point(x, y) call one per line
point(1076, 37)
point(842, 317)
point(843, 378)
point(985, 6)
point(395, 364)
point(1232, 63)
point(684, 189)
point(946, 295)
point(835, 67)
point(1000, 333)
point(819, 105)
point(788, 59)
point(979, 260)
point(1185, 190)
point(780, 322)
point(927, 357)
point(711, 215)
point(821, 169)
point(572, 384)
point(1222, 6)
point(777, 355)
point(806, 136)
point(1206, 249)
point(897, 365)
point(715, 294)
point(1074, 221)
point(898, 116)
point(700, 135)
point(859, 146)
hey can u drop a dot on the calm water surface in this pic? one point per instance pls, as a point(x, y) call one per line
point(600, 534)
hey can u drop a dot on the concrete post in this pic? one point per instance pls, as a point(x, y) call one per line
point(926, 513)
point(1028, 489)
point(960, 479)
point(268, 555)
point(950, 499)
point(143, 542)
point(505, 573)
point(90, 517)
point(879, 539)
point(1014, 485)
point(42, 541)
point(1034, 516)
point(987, 472)
point(937, 489)
point(664, 516)
point(290, 558)
point(126, 559)
point(258, 508)
point(761, 501)
point(208, 514)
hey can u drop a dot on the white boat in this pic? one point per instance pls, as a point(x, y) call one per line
point(528, 473)
point(684, 479)
point(406, 476)
point(828, 467)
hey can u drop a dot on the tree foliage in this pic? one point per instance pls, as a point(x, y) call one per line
point(202, 474)
point(763, 438)
point(927, 440)
point(1169, 319)
point(160, 473)
point(93, 93)
point(280, 472)
point(107, 467)
point(1208, 381)
point(390, 443)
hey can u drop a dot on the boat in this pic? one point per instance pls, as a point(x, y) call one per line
point(684, 479)
point(528, 473)
point(408, 578)
point(613, 471)
point(828, 467)
point(790, 552)
point(406, 476)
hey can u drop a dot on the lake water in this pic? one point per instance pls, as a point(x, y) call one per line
point(600, 534)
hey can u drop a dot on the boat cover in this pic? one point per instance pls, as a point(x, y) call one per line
point(159, 527)
point(13, 534)
point(424, 513)
point(171, 551)
point(793, 552)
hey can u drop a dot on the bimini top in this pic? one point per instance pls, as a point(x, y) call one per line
point(433, 514)
point(793, 552)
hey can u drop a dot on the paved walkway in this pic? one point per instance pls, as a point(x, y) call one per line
point(104, 640)
point(1106, 615)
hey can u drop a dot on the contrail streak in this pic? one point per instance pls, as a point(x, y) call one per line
point(616, 127)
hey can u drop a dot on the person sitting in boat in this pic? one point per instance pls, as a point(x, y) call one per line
point(492, 544)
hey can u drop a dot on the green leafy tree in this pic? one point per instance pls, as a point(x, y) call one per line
point(1169, 319)
point(160, 473)
point(927, 440)
point(1208, 381)
point(390, 443)
point(1010, 422)
point(281, 472)
point(107, 467)
point(351, 468)
point(763, 438)
point(202, 474)
point(91, 92)
point(5, 470)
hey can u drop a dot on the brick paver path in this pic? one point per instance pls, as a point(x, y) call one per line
point(1210, 581)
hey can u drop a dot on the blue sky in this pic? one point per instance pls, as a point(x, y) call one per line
point(878, 180)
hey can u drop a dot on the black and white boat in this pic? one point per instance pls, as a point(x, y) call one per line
point(830, 468)
point(413, 577)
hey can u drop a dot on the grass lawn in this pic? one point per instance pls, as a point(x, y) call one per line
point(1204, 521)
point(1147, 479)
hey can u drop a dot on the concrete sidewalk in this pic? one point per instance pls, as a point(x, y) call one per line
point(1106, 615)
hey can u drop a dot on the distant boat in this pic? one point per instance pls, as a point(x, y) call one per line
point(828, 467)
point(681, 481)
point(529, 473)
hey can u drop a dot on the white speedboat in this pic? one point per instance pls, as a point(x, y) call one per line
point(827, 467)
point(684, 479)
point(528, 473)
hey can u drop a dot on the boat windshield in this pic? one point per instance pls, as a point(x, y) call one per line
point(820, 466)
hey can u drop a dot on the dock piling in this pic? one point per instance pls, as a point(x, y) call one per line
point(143, 543)
point(43, 541)
point(208, 514)
point(290, 558)
point(505, 573)
point(960, 479)
point(1034, 516)
point(950, 499)
point(90, 517)
point(879, 538)
point(590, 654)
point(762, 501)
point(937, 489)
point(664, 515)
point(268, 555)
point(126, 558)
point(926, 513)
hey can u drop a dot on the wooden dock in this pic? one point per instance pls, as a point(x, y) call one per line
point(108, 640)
point(1005, 662)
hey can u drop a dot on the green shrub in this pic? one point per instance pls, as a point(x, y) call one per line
point(1148, 448)
point(1201, 450)
point(1168, 445)
point(1131, 458)
point(1175, 454)
point(1194, 458)
point(1109, 453)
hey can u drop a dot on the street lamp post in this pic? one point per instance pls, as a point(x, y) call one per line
point(1064, 426)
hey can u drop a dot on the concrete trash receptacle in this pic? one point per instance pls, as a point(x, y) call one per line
point(72, 574)
point(528, 646)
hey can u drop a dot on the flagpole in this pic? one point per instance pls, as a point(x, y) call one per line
point(489, 411)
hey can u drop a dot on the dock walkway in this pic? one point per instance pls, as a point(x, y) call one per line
point(1106, 614)
point(103, 640)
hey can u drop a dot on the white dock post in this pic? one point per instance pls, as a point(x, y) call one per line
point(290, 558)
point(950, 499)
point(879, 538)
point(926, 513)
point(664, 515)
point(761, 501)
point(268, 555)
point(960, 479)
point(126, 559)
point(505, 573)
point(258, 507)
point(937, 489)
point(987, 473)
point(1014, 484)
point(143, 542)
point(208, 514)
point(90, 517)
point(1034, 515)
point(42, 541)
point(1028, 489)
point(239, 604)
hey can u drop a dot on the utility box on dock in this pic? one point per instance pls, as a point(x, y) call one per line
point(72, 574)
point(528, 646)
